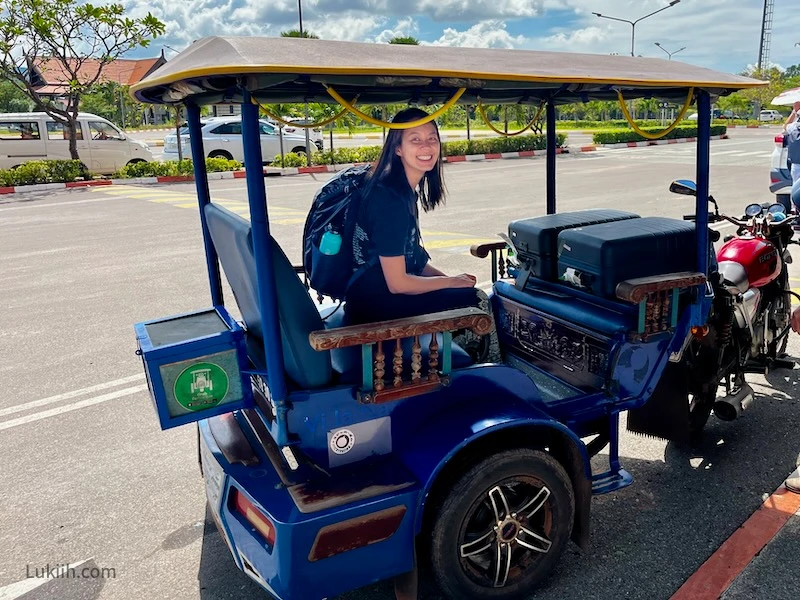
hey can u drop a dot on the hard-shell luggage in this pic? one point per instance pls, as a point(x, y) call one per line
point(536, 239)
point(598, 257)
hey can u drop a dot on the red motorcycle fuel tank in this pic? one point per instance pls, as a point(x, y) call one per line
point(757, 257)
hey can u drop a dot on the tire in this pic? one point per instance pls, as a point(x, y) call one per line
point(483, 508)
point(299, 150)
point(700, 406)
point(220, 154)
point(136, 161)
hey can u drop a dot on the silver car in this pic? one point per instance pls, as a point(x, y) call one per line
point(222, 138)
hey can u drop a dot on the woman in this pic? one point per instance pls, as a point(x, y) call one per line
point(397, 279)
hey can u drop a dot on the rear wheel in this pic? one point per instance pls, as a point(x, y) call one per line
point(502, 527)
point(220, 154)
point(301, 150)
point(136, 161)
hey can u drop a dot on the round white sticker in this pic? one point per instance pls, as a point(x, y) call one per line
point(342, 441)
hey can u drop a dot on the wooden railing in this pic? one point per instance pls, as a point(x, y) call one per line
point(378, 339)
point(500, 260)
point(657, 298)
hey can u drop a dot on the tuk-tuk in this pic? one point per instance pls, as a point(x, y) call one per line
point(334, 455)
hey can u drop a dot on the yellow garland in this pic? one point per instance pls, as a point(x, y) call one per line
point(503, 133)
point(349, 106)
point(271, 115)
point(654, 136)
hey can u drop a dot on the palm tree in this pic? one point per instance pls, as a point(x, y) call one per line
point(399, 39)
point(296, 33)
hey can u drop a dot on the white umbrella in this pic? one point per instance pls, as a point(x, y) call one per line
point(787, 98)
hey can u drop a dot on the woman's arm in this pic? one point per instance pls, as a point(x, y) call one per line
point(400, 282)
point(431, 271)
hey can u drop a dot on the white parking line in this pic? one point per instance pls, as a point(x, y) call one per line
point(67, 395)
point(70, 407)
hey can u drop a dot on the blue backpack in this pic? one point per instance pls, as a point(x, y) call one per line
point(333, 214)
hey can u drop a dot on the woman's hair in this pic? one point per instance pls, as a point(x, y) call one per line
point(389, 168)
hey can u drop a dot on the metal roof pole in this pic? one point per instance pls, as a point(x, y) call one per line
point(551, 157)
point(262, 250)
point(203, 198)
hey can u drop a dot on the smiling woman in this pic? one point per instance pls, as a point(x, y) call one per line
point(394, 278)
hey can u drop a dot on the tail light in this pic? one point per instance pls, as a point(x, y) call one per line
point(779, 139)
point(253, 516)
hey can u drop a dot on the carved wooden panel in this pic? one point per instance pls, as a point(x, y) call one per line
point(571, 355)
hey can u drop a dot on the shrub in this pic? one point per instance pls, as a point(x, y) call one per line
point(365, 154)
point(172, 168)
point(615, 136)
point(43, 171)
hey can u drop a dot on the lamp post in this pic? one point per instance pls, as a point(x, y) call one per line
point(633, 23)
point(667, 51)
point(300, 14)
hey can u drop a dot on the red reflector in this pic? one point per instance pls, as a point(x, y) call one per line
point(253, 516)
point(779, 139)
point(773, 179)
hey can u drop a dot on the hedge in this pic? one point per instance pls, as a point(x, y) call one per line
point(43, 171)
point(616, 136)
point(459, 148)
point(172, 168)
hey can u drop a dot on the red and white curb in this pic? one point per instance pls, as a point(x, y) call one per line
point(658, 142)
point(276, 171)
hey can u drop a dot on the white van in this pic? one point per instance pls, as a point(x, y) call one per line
point(37, 136)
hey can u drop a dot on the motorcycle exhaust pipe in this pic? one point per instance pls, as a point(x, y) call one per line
point(731, 407)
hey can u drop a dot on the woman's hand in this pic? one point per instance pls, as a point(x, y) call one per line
point(464, 281)
point(796, 320)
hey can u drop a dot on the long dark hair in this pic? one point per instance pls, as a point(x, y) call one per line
point(389, 168)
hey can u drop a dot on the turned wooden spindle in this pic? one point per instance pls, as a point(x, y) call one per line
point(433, 359)
point(398, 364)
point(416, 360)
point(380, 368)
point(501, 264)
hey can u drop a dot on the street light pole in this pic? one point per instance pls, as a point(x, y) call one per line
point(300, 13)
point(667, 51)
point(633, 23)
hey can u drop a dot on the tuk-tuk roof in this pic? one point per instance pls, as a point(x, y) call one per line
point(297, 70)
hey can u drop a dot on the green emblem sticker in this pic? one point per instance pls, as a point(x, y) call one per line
point(200, 386)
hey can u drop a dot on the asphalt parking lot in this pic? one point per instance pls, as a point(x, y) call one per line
point(88, 475)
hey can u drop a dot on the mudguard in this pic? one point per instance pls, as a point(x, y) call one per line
point(496, 410)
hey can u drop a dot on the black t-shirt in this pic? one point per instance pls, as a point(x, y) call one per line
point(388, 225)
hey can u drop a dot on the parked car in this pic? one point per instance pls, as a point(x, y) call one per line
point(314, 133)
point(770, 115)
point(780, 178)
point(37, 136)
point(222, 138)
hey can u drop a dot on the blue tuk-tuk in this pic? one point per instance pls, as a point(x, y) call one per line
point(332, 453)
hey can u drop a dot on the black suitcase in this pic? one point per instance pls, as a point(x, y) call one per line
point(536, 239)
point(598, 257)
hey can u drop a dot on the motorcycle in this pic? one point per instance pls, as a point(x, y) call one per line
point(747, 329)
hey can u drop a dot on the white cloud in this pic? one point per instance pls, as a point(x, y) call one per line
point(714, 34)
point(488, 34)
point(403, 28)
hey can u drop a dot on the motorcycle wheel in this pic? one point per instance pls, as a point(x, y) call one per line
point(700, 407)
point(502, 526)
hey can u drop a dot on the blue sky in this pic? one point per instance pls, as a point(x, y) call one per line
point(719, 34)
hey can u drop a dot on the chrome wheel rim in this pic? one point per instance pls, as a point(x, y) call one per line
point(506, 532)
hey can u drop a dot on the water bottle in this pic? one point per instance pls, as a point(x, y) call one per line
point(331, 242)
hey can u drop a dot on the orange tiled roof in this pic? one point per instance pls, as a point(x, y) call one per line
point(122, 71)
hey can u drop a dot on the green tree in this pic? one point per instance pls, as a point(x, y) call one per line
point(793, 71)
point(13, 99)
point(73, 34)
point(407, 39)
point(112, 101)
point(296, 33)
